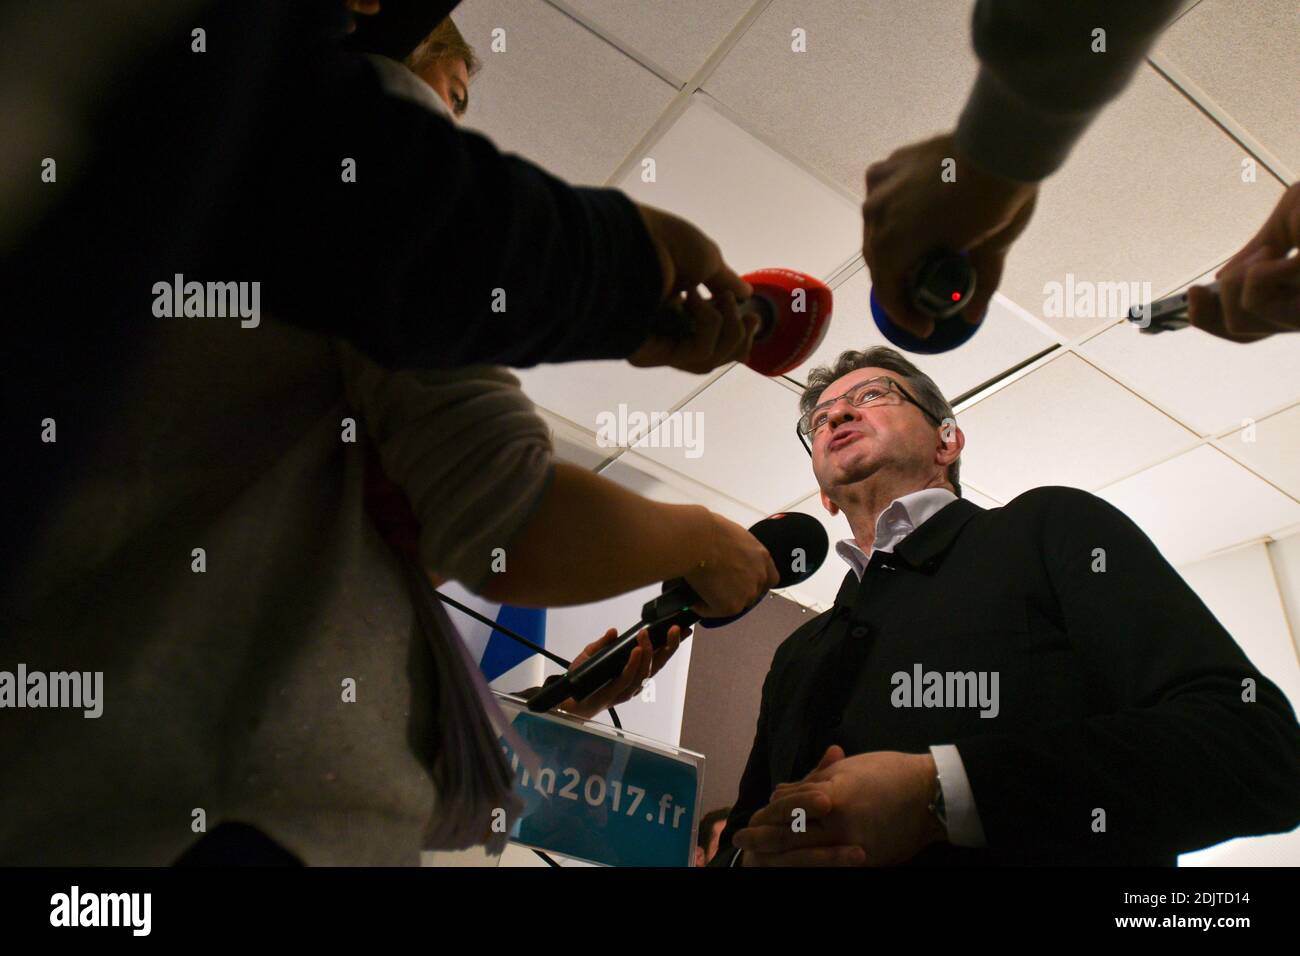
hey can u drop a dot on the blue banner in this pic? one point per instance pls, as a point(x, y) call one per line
point(603, 799)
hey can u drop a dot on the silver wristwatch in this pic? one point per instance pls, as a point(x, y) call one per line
point(936, 803)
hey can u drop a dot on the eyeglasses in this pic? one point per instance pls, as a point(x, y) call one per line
point(874, 391)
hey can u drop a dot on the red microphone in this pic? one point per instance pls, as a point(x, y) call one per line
point(794, 312)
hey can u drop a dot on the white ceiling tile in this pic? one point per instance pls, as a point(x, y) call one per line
point(977, 497)
point(1118, 211)
point(761, 209)
point(1004, 340)
point(677, 35)
point(874, 77)
point(743, 443)
point(652, 480)
point(1199, 502)
point(1246, 57)
point(1241, 590)
point(1064, 423)
point(1207, 383)
point(1271, 449)
point(557, 94)
point(583, 392)
point(1151, 194)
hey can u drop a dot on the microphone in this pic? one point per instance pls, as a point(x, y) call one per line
point(794, 312)
point(798, 545)
point(940, 287)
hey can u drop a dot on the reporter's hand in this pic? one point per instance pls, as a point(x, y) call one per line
point(688, 258)
point(737, 571)
point(910, 211)
point(644, 662)
point(1259, 287)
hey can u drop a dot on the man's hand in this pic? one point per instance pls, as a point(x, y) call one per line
point(643, 664)
point(910, 212)
point(871, 809)
point(688, 258)
point(1259, 287)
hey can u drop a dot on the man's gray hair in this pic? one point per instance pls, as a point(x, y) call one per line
point(923, 389)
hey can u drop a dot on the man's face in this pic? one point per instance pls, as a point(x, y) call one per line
point(858, 442)
point(449, 78)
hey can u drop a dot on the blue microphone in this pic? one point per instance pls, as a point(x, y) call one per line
point(940, 287)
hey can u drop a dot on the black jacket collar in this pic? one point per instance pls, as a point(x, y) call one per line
point(924, 548)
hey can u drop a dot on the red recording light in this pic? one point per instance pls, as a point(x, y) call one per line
point(956, 297)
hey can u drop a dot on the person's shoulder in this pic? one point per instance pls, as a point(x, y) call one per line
point(493, 389)
point(801, 635)
point(1060, 505)
point(1047, 496)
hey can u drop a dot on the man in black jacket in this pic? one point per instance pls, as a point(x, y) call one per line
point(1028, 684)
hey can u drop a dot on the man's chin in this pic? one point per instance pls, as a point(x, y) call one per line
point(854, 470)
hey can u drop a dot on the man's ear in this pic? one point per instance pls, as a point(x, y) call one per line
point(699, 856)
point(951, 441)
point(829, 505)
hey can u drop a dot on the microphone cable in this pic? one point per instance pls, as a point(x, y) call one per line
point(446, 599)
point(613, 714)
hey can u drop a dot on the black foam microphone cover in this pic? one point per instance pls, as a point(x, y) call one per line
point(798, 545)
